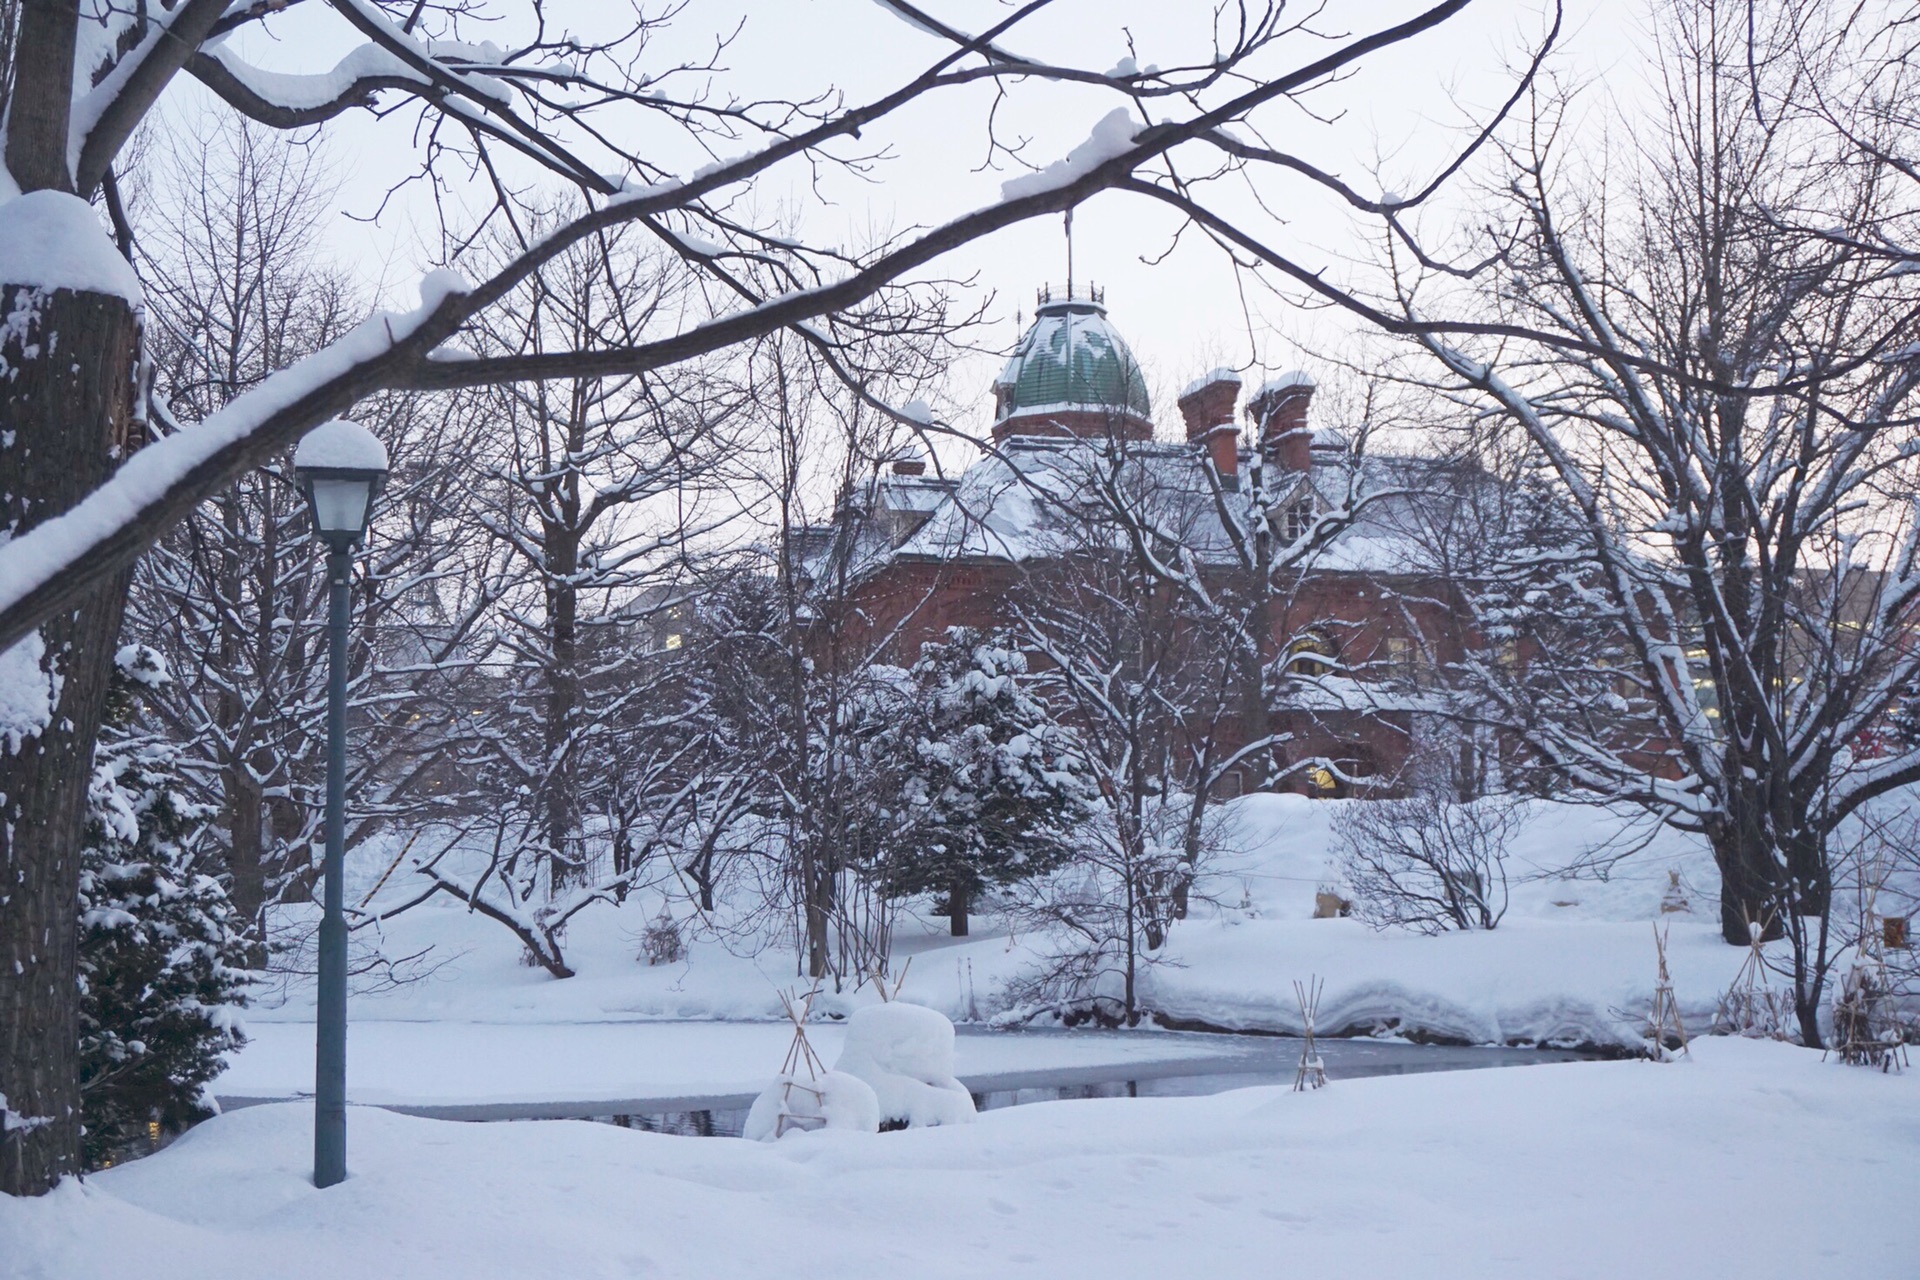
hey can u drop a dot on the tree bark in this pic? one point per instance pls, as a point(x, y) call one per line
point(42, 101)
point(559, 798)
point(246, 857)
point(957, 903)
point(1749, 892)
point(66, 411)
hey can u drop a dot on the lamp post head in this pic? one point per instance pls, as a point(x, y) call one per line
point(341, 467)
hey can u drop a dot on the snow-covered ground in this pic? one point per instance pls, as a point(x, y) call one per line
point(453, 1063)
point(1753, 1160)
point(1573, 961)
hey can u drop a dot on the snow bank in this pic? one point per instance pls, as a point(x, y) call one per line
point(1572, 961)
point(53, 240)
point(905, 1051)
point(834, 1101)
point(1752, 1160)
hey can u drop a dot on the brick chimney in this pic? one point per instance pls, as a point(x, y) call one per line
point(1280, 409)
point(908, 461)
point(1207, 404)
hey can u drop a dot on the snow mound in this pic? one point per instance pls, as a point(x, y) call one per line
point(834, 1101)
point(53, 240)
point(342, 445)
point(905, 1051)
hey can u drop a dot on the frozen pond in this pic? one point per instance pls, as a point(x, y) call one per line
point(1167, 1064)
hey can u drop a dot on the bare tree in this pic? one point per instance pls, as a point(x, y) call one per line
point(1712, 354)
point(596, 491)
point(597, 113)
point(1429, 861)
point(230, 597)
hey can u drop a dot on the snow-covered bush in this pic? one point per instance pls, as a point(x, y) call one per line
point(161, 950)
point(905, 1052)
point(662, 943)
point(1428, 862)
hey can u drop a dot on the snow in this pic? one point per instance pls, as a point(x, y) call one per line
point(834, 1101)
point(1286, 382)
point(917, 24)
point(905, 1052)
point(53, 240)
point(1111, 136)
point(309, 91)
point(1572, 961)
point(1753, 1159)
point(340, 444)
point(418, 1062)
point(1207, 379)
point(27, 692)
point(57, 546)
point(438, 285)
point(918, 411)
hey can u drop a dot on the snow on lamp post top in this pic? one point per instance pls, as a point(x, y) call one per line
point(341, 467)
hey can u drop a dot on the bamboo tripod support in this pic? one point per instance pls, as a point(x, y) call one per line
point(1313, 1071)
point(1664, 1019)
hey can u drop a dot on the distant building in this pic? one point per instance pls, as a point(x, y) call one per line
point(927, 552)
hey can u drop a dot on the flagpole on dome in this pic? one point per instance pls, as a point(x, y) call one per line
point(1069, 254)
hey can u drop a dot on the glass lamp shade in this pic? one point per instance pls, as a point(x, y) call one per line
point(341, 500)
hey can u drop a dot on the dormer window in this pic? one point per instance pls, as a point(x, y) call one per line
point(1297, 519)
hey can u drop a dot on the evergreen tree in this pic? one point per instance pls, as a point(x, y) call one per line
point(993, 785)
point(161, 950)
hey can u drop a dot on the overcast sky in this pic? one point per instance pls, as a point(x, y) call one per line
point(1400, 113)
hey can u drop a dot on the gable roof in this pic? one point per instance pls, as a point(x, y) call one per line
point(1036, 497)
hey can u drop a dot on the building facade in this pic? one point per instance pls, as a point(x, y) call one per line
point(1331, 556)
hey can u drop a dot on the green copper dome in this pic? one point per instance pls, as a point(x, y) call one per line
point(1071, 358)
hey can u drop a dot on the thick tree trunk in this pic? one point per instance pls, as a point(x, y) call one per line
point(1749, 893)
point(42, 101)
point(958, 900)
point(65, 407)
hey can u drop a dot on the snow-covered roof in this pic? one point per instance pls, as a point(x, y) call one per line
point(1020, 503)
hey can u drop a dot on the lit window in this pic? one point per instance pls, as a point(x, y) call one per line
point(673, 641)
point(1311, 655)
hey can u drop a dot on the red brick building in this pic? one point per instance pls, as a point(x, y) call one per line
point(1352, 626)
